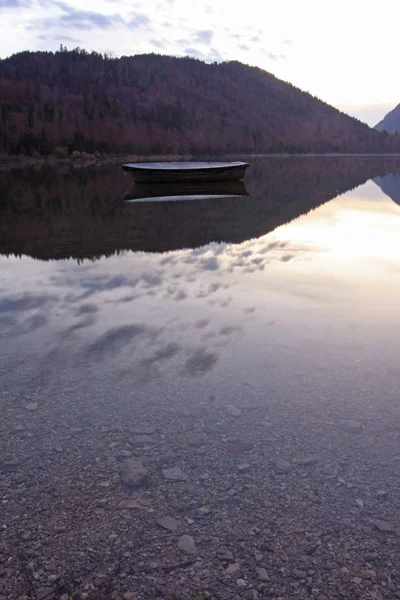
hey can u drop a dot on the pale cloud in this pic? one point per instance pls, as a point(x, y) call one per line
point(13, 4)
point(204, 36)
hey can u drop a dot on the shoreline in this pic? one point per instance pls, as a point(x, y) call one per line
point(17, 161)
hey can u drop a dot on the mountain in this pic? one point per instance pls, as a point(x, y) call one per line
point(391, 122)
point(149, 104)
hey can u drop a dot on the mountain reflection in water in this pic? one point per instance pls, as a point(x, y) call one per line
point(390, 185)
point(68, 212)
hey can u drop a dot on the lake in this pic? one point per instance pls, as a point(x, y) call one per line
point(242, 348)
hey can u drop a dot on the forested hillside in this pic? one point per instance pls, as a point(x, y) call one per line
point(75, 101)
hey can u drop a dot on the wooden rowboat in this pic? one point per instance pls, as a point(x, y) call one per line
point(186, 171)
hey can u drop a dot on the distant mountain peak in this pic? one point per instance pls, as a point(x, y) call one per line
point(391, 122)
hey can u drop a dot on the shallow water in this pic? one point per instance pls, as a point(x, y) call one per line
point(282, 303)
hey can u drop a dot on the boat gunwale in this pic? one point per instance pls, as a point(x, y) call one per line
point(181, 167)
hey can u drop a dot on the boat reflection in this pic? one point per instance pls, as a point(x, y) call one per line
point(168, 192)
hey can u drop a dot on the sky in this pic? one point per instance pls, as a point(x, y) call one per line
point(344, 52)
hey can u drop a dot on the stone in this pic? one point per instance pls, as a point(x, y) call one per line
point(129, 595)
point(268, 504)
point(143, 430)
point(19, 427)
point(244, 467)
point(241, 583)
point(251, 595)
point(384, 526)
point(307, 461)
point(368, 574)
point(238, 447)
point(357, 580)
point(233, 411)
point(31, 406)
point(359, 503)
point(262, 574)
point(371, 556)
point(169, 523)
point(130, 504)
point(225, 555)
point(134, 473)
point(299, 574)
point(233, 569)
point(382, 493)
point(187, 545)
point(282, 465)
point(174, 474)
point(45, 593)
point(352, 426)
point(141, 440)
point(195, 440)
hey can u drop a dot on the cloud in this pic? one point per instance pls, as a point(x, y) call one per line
point(25, 302)
point(164, 353)
point(7, 4)
point(273, 56)
point(210, 264)
point(138, 20)
point(158, 44)
point(58, 38)
point(287, 42)
point(200, 362)
point(84, 20)
point(13, 328)
point(88, 321)
point(87, 308)
point(115, 339)
point(204, 36)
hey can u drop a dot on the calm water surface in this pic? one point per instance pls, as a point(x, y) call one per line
point(313, 301)
point(261, 318)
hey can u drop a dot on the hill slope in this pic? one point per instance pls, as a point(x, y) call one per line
point(159, 104)
point(391, 122)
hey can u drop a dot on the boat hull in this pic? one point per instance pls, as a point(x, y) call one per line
point(181, 172)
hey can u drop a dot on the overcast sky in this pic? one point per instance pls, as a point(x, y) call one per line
point(345, 52)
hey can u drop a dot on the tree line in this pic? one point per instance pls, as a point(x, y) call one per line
point(74, 101)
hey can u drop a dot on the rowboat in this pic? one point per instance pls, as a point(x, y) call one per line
point(186, 171)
